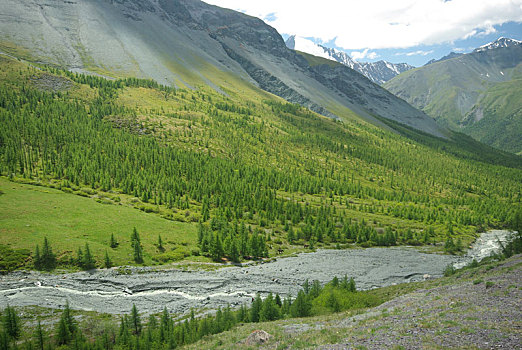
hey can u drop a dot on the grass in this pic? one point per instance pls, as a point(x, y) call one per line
point(325, 329)
point(28, 213)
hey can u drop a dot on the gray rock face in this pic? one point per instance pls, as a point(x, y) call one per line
point(379, 72)
point(187, 43)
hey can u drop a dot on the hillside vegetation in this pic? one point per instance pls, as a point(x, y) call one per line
point(250, 173)
point(477, 94)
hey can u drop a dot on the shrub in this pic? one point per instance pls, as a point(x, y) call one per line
point(449, 270)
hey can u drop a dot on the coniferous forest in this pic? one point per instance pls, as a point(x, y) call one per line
point(249, 175)
point(256, 176)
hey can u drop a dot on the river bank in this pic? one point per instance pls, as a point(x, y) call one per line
point(114, 292)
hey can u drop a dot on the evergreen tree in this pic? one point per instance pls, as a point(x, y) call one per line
point(37, 259)
point(335, 282)
point(63, 334)
point(333, 302)
point(234, 251)
point(88, 260)
point(301, 307)
point(216, 247)
point(39, 337)
point(449, 246)
point(160, 244)
point(255, 309)
point(351, 286)
point(11, 323)
point(136, 246)
point(48, 259)
point(278, 300)
point(66, 327)
point(107, 261)
point(135, 320)
point(344, 285)
point(269, 310)
point(113, 242)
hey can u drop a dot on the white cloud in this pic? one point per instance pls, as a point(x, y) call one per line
point(359, 55)
point(378, 24)
point(418, 53)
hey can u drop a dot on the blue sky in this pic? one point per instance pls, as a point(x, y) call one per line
point(412, 31)
point(420, 54)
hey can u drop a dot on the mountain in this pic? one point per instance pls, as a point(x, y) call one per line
point(379, 72)
point(447, 57)
point(500, 42)
point(477, 93)
point(216, 143)
point(187, 43)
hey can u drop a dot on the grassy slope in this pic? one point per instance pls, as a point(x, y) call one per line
point(501, 112)
point(28, 213)
point(474, 308)
point(381, 161)
point(452, 91)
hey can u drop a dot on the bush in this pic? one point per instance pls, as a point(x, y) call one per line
point(334, 299)
point(449, 270)
point(173, 255)
point(11, 259)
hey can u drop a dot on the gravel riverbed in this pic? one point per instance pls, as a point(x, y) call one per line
point(113, 292)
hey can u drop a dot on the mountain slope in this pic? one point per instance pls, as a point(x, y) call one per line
point(187, 43)
point(379, 72)
point(477, 93)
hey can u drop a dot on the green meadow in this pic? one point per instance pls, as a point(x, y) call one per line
point(29, 213)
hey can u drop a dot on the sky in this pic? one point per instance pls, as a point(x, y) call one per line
point(411, 31)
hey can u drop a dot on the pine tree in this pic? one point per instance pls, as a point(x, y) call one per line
point(165, 325)
point(48, 258)
point(335, 282)
point(234, 251)
point(269, 310)
point(107, 262)
point(63, 335)
point(69, 319)
point(351, 286)
point(135, 320)
point(332, 302)
point(88, 260)
point(136, 245)
point(39, 337)
point(301, 307)
point(160, 244)
point(255, 309)
point(152, 325)
point(216, 247)
point(113, 243)
point(11, 323)
point(344, 283)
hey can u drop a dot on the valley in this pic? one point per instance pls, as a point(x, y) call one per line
point(112, 291)
point(176, 160)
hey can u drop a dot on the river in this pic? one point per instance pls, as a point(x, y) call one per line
point(113, 292)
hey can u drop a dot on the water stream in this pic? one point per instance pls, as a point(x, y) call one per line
point(113, 292)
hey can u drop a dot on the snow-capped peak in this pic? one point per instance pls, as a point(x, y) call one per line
point(500, 42)
point(378, 72)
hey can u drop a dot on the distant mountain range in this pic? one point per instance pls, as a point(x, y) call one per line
point(479, 93)
point(188, 43)
point(447, 57)
point(379, 72)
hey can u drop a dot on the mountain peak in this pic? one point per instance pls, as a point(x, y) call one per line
point(379, 72)
point(500, 42)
